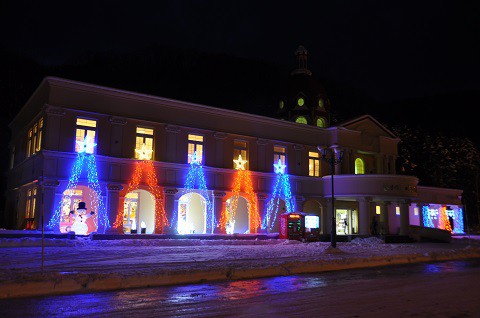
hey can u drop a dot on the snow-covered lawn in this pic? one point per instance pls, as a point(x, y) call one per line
point(21, 258)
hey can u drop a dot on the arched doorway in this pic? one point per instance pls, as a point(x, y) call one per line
point(138, 211)
point(242, 220)
point(313, 207)
point(69, 205)
point(192, 210)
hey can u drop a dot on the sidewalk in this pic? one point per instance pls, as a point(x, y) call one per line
point(83, 265)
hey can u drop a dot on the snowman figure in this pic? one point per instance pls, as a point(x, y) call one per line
point(80, 226)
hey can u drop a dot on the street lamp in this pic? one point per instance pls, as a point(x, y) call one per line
point(334, 156)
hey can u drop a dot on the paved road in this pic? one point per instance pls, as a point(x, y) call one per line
point(446, 289)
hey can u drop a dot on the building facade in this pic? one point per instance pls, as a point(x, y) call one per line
point(167, 166)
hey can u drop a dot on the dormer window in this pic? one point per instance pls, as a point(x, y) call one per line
point(300, 101)
point(321, 104)
point(321, 122)
point(281, 104)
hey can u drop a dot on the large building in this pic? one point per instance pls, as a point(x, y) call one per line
point(141, 161)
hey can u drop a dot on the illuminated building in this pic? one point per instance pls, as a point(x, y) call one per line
point(128, 127)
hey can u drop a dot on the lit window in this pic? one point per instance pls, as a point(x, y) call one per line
point(313, 164)
point(34, 138)
point(320, 103)
point(301, 120)
point(279, 153)
point(321, 122)
point(415, 211)
point(377, 209)
point(240, 148)
point(86, 128)
point(281, 104)
point(31, 203)
point(300, 101)
point(195, 144)
point(397, 210)
point(359, 166)
point(144, 136)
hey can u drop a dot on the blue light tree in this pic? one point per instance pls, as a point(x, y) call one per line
point(85, 156)
point(196, 183)
point(281, 190)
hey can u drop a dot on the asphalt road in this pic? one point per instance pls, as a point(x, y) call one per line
point(444, 289)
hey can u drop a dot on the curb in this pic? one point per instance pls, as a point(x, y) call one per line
point(67, 283)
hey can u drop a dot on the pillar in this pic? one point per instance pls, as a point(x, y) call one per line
point(169, 206)
point(49, 189)
point(112, 206)
point(327, 220)
point(218, 207)
point(299, 203)
point(384, 225)
point(404, 218)
point(261, 198)
point(364, 216)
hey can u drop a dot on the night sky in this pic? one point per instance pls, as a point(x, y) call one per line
point(416, 59)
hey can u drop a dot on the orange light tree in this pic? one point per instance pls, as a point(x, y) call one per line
point(443, 222)
point(243, 177)
point(145, 166)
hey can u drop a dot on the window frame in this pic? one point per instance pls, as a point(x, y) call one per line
point(315, 162)
point(195, 144)
point(242, 150)
point(144, 137)
point(85, 129)
point(279, 154)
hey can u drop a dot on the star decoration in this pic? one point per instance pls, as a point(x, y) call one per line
point(195, 158)
point(144, 153)
point(279, 167)
point(86, 145)
point(240, 163)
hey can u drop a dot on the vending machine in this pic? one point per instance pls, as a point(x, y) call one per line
point(292, 226)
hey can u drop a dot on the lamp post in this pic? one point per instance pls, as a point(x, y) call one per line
point(334, 157)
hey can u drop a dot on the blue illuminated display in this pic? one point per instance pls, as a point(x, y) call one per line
point(281, 190)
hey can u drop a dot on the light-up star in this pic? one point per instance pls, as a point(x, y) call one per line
point(279, 167)
point(240, 163)
point(86, 145)
point(144, 153)
point(195, 158)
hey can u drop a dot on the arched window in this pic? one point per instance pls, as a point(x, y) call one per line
point(301, 120)
point(359, 166)
point(281, 104)
point(321, 122)
point(320, 103)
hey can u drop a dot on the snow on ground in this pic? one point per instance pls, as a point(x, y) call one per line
point(21, 258)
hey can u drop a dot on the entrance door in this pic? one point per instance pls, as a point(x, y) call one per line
point(192, 210)
point(347, 222)
point(139, 212)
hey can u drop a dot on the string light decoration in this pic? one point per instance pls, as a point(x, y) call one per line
point(85, 154)
point(458, 221)
point(243, 177)
point(145, 167)
point(427, 219)
point(281, 189)
point(196, 183)
point(443, 222)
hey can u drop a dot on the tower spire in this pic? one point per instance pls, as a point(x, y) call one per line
point(301, 55)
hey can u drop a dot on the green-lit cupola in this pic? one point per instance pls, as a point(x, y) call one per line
point(303, 99)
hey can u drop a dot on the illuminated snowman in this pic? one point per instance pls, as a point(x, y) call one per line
point(80, 226)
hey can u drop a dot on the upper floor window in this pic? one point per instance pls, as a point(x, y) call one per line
point(301, 120)
point(34, 139)
point(281, 104)
point(195, 144)
point(300, 101)
point(144, 143)
point(85, 129)
point(279, 152)
point(321, 104)
point(313, 164)
point(240, 148)
point(321, 122)
point(359, 166)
